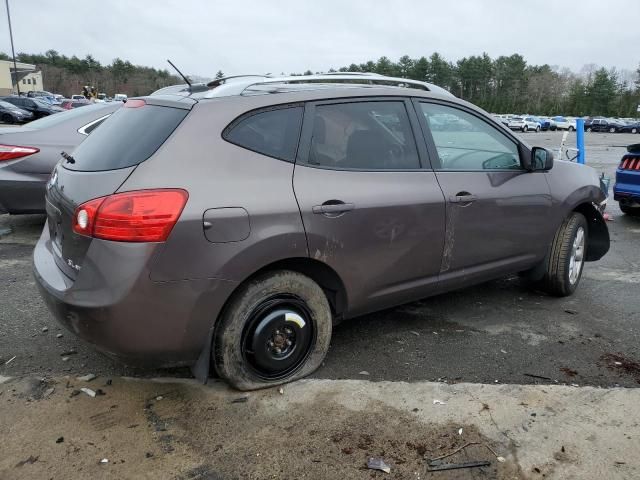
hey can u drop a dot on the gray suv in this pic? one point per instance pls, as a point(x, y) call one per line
point(232, 227)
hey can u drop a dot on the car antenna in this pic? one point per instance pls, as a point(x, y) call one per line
point(198, 87)
point(180, 73)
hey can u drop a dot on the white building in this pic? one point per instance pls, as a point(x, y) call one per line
point(26, 75)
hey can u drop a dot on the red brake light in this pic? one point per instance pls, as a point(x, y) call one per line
point(138, 216)
point(135, 103)
point(11, 152)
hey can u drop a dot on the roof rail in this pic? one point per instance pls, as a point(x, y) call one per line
point(354, 73)
point(244, 83)
point(219, 81)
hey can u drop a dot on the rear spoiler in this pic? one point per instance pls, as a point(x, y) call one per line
point(635, 148)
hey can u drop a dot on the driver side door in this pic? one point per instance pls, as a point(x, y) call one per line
point(496, 212)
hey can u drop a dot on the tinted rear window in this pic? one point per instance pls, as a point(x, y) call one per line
point(126, 138)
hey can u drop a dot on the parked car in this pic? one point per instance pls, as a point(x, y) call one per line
point(564, 123)
point(38, 107)
point(29, 153)
point(120, 97)
point(626, 190)
point(524, 124)
point(605, 125)
point(45, 96)
point(9, 113)
point(545, 123)
point(69, 104)
point(227, 228)
point(631, 127)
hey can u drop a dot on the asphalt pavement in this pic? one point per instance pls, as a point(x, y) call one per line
point(497, 332)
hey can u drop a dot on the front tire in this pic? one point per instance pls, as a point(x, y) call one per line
point(565, 263)
point(276, 329)
point(525, 128)
point(571, 129)
point(589, 129)
point(612, 130)
point(6, 118)
point(537, 128)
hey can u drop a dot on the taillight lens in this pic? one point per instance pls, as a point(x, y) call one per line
point(136, 103)
point(630, 163)
point(138, 216)
point(11, 152)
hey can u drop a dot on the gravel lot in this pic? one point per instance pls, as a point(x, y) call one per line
point(495, 332)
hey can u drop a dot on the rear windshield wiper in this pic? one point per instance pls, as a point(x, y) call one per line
point(68, 157)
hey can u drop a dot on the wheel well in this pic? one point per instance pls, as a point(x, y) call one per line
point(598, 234)
point(320, 273)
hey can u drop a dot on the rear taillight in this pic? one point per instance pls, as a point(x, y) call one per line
point(137, 103)
point(630, 163)
point(11, 152)
point(138, 216)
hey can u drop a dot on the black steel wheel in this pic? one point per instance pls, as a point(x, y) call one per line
point(275, 329)
point(278, 337)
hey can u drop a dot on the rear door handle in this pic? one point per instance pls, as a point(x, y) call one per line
point(333, 208)
point(463, 197)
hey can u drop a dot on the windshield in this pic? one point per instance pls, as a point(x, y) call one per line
point(516, 119)
point(4, 104)
point(51, 120)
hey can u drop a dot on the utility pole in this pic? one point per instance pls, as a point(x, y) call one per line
point(13, 52)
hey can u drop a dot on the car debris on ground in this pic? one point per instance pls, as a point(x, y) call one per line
point(378, 464)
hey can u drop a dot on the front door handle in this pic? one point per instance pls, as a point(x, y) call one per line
point(333, 208)
point(463, 197)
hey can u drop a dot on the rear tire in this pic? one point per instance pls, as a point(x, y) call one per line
point(571, 129)
point(525, 128)
point(564, 266)
point(276, 329)
point(538, 128)
point(612, 130)
point(589, 129)
point(631, 211)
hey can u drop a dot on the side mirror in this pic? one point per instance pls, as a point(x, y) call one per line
point(541, 159)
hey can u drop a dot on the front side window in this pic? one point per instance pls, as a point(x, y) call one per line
point(363, 136)
point(271, 132)
point(465, 142)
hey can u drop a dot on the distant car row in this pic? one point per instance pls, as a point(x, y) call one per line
point(16, 109)
point(56, 99)
point(526, 123)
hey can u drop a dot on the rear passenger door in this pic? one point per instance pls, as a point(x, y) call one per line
point(497, 212)
point(371, 206)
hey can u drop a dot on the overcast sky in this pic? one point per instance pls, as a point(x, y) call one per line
point(253, 36)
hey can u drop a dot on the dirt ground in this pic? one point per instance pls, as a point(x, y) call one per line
point(181, 431)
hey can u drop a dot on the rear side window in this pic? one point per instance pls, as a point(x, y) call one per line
point(271, 132)
point(363, 136)
point(126, 138)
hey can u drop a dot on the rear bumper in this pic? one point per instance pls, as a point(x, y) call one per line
point(113, 305)
point(21, 193)
point(627, 186)
point(626, 198)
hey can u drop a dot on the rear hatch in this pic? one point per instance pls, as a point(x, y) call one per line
point(100, 165)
